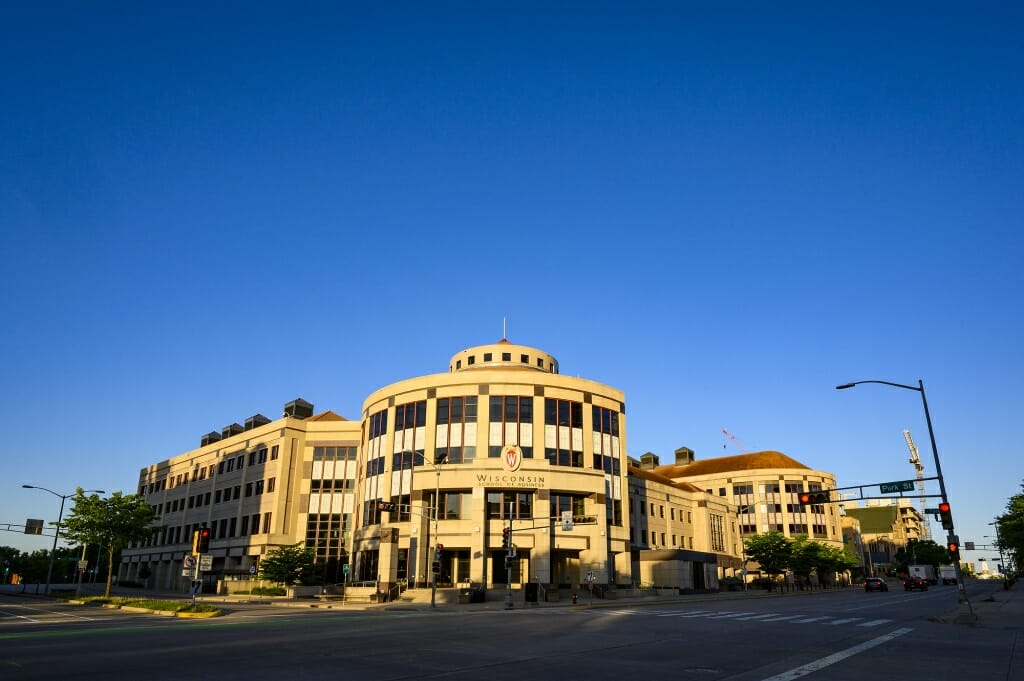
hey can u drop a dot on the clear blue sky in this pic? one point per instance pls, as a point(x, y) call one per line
point(206, 212)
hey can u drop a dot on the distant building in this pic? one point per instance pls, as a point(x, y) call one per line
point(887, 525)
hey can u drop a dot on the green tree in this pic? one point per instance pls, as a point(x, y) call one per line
point(804, 557)
point(924, 552)
point(771, 550)
point(1010, 529)
point(114, 522)
point(289, 565)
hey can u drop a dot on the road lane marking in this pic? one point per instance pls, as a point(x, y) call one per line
point(812, 619)
point(873, 623)
point(830, 660)
point(846, 620)
point(18, 617)
point(759, 617)
point(782, 617)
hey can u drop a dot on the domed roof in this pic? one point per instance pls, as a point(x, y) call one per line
point(725, 464)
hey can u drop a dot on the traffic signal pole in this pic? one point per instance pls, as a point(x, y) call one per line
point(951, 538)
point(509, 553)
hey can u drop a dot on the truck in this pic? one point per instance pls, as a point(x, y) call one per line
point(925, 572)
point(947, 573)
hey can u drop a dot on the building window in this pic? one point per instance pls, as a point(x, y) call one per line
point(717, 533)
point(567, 502)
point(325, 534)
point(274, 453)
point(411, 415)
point(606, 421)
point(567, 450)
point(501, 504)
point(378, 424)
point(506, 357)
point(403, 510)
point(266, 523)
point(487, 357)
point(405, 460)
point(510, 417)
point(456, 410)
point(375, 466)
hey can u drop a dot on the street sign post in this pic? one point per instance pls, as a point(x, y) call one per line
point(900, 486)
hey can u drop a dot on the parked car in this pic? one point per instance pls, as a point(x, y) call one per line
point(911, 583)
point(875, 584)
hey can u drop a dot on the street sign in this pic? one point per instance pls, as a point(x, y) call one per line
point(345, 568)
point(566, 520)
point(968, 545)
point(252, 569)
point(206, 562)
point(186, 572)
point(901, 486)
point(83, 565)
point(189, 562)
point(931, 511)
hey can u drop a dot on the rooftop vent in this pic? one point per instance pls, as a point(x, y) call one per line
point(210, 438)
point(233, 429)
point(684, 456)
point(256, 421)
point(298, 409)
point(648, 461)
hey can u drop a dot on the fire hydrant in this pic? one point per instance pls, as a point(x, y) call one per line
point(574, 598)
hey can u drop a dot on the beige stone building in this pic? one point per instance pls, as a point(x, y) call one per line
point(763, 488)
point(256, 486)
point(887, 525)
point(502, 445)
point(500, 442)
point(681, 536)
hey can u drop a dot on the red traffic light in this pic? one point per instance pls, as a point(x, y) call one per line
point(953, 547)
point(943, 507)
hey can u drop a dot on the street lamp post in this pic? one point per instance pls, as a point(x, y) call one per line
point(439, 460)
point(951, 534)
point(60, 517)
point(743, 546)
point(999, 545)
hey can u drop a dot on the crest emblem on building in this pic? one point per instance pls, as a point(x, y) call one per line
point(511, 458)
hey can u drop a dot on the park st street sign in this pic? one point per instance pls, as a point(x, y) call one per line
point(901, 486)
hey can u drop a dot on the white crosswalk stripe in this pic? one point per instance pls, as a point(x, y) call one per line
point(735, 616)
point(873, 623)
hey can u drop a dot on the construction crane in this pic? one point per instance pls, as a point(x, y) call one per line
point(734, 440)
point(919, 471)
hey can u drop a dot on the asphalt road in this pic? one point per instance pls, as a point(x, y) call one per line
point(837, 635)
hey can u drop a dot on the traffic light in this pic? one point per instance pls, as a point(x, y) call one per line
point(506, 537)
point(387, 506)
point(946, 515)
point(954, 549)
point(819, 497)
point(435, 567)
point(203, 540)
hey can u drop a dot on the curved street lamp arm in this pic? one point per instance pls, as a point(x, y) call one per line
point(895, 385)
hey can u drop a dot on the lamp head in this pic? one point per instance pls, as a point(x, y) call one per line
point(845, 386)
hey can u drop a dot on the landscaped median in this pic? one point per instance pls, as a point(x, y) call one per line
point(154, 607)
